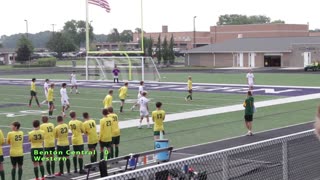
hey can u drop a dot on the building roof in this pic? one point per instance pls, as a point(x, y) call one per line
point(274, 44)
point(7, 50)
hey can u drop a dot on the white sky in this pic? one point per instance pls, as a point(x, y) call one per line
point(125, 14)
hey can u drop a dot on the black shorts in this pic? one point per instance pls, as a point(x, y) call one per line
point(105, 144)
point(16, 160)
point(122, 100)
point(157, 133)
point(190, 91)
point(49, 150)
point(33, 93)
point(37, 154)
point(62, 151)
point(50, 103)
point(92, 146)
point(248, 118)
point(116, 140)
point(78, 148)
point(1, 159)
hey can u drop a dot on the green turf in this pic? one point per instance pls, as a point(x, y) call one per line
point(285, 79)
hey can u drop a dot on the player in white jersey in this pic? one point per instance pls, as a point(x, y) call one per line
point(64, 99)
point(45, 88)
point(73, 80)
point(139, 95)
point(250, 80)
point(144, 110)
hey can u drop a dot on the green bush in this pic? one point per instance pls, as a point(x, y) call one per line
point(42, 62)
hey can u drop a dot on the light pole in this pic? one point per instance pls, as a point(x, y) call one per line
point(194, 31)
point(52, 27)
point(26, 27)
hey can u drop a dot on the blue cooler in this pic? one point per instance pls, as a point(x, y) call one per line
point(162, 143)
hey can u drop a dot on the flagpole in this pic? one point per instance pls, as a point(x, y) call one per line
point(87, 37)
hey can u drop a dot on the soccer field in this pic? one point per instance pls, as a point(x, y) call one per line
point(189, 131)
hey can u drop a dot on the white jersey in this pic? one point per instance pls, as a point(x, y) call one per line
point(73, 78)
point(46, 87)
point(143, 101)
point(64, 95)
point(140, 92)
point(250, 78)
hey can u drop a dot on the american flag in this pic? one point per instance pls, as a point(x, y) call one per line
point(102, 3)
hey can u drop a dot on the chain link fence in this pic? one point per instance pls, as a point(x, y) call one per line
point(293, 157)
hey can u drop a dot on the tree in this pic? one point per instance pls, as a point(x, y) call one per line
point(24, 49)
point(113, 36)
point(1, 46)
point(159, 56)
point(149, 47)
point(126, 36)
point(235, 19)
point(171, 50)
point(60, 43)
point(76, 31)
point(278, 22)
point(165, 51)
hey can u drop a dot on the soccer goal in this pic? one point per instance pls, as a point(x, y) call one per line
point(132, 68)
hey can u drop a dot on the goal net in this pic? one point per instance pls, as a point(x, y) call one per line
point(131, 68)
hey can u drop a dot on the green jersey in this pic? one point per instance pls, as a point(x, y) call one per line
point(249, 105)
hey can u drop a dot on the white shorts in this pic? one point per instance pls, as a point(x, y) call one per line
point(144, 113)
point(251, 84)
point(74, 82)
point(64, 103)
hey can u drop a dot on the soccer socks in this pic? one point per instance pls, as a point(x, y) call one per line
point(20, 173)
point(50, 113)
point(42, 170)
point(2, 175)
point(36, 172)
point(95, 156)
point(101, 155)
point(48, 167)
point(68, 165)
point(30, 101)
point(61, 166)
point(13, 173)
point(190, 97)
point(37, 101)
point(117, 152)
point(121, 108)
point(80, 164)
point(111, 151)
point(53, 165)
point(75, 163)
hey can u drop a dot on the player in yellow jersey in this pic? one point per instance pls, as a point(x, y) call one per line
point(90, 129)
point(61, 134)
point(123, 94)
point(50, 99)
point(189, 89)
point(115, 133)
point(49, 144)
point(33, 92)
point(15, 139)
point(158, 117)
point(2, 141)
point(77, 129)
point(107, 102)
point(36, 137)
point(105, 137)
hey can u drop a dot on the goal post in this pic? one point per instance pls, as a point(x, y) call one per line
point(132, 68)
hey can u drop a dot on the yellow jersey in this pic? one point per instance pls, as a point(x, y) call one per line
point(105, 129)
point(189, 84)
point(107, 101)
point(36, 137)
point(76, 127)
point(49, 133)
point(15, 139)
point(114, 124)
point(2, 141)
point(33, 86)
point(90, 129)
point(158, 117)
point(123, 92)
point(50, 95)
point(61, 134)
